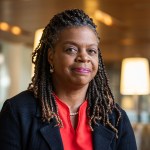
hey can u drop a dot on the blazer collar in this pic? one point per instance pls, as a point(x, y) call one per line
point(50, 133)
point(52, 136)
point(102, 137)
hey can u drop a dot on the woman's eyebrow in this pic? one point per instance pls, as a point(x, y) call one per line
point(76, 43)
point(71, 42)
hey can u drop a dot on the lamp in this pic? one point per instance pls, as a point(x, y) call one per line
point(135, 78)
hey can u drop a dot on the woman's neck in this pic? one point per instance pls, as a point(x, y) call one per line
point(73, 98)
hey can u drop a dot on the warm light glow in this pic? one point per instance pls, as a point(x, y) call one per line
point(135, 76)
point(4, 26)
point(103, 17)
point(16, 30)
point(108, 20)
point(37, 37)
point(90, 6)
point(99, 15)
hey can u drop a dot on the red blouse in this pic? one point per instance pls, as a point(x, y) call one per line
point(79, 138)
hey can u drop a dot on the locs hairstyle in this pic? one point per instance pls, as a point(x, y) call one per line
point(101, 100)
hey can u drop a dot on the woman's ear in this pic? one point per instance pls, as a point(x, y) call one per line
point(50, 56)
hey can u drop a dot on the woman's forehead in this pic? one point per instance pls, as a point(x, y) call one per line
point(78, 34)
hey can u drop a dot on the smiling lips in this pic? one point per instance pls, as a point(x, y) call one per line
point(82, 70)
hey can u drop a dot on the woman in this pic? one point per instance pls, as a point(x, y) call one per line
point(69, 104)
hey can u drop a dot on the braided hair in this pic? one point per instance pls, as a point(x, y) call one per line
point(101, 101)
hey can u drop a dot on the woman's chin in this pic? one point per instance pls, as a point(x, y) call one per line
point(81, 82)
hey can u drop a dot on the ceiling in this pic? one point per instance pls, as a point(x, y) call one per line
point(129, 36)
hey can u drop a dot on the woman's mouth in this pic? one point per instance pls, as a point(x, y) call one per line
point(82, 70)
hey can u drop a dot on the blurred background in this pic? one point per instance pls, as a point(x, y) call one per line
point(124, 29)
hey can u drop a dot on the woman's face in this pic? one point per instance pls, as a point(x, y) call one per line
point(75, 57)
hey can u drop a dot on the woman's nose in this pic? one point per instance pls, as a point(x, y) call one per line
point(82, 57)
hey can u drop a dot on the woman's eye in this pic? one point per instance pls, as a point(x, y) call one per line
point(71, 50)
point(92, 51)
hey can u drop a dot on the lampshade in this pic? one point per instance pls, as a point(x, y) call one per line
point(135, 76)
point(37, 37)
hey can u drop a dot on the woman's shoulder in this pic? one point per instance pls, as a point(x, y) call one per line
point(23, 98)
point(118, 109)
point(22, 102)
point(17, 117)
point(126, 136)
point(120, 113)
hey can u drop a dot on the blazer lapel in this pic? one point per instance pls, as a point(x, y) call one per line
point(102, 138)
point(52, 136)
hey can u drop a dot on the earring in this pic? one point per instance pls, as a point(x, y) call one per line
point(51, 68)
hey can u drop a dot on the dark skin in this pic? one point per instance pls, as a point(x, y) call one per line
point(75, 61)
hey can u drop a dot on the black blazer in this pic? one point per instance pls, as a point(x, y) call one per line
point(21, 128)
